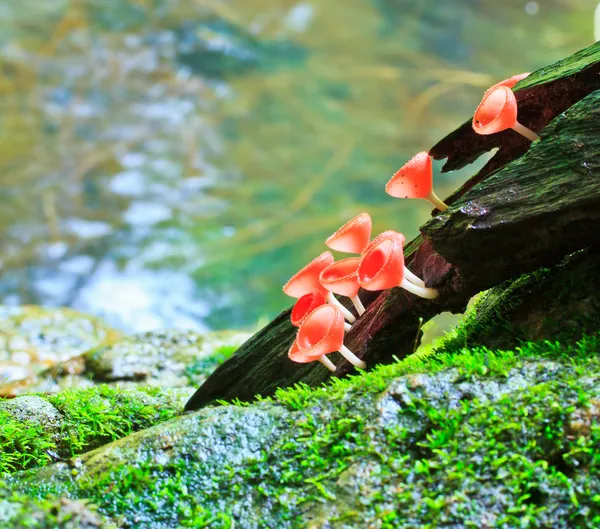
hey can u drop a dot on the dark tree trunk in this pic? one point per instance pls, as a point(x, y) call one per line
point(530, 206)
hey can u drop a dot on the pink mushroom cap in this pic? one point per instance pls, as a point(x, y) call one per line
point(414, 179)
point(511, 81)
point(382, 265)
point(307, 279)
point(353, 236)
point(322, 332)
point(496, 112)
point(305, 305)
point(340, 277)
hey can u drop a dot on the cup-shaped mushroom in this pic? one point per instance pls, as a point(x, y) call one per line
point(323, 333)
point(307, 279)
point(511, 81)
point(415, 180)
point(497, 112)
point(305, 305)
point(340, 278)
point(295, 355)
point(353, 236)
point(382, 267)
point(413, 278)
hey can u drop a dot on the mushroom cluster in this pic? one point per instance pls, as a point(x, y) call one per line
point(378, 264)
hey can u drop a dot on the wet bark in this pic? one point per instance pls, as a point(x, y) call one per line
point(529, 207)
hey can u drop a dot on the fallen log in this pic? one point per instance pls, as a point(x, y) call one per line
point(530, 206)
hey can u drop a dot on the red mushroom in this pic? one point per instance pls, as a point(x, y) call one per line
point(413, 278)
point(306, 304)
point(353, 236)
point(307, 279)
point(323, 333)
point(340, 278)
point(511, 81)
point(415, 180)
point(497, 112)
point(295, 355)
point(382, 267)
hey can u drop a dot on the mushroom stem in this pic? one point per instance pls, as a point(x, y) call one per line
point(330, 298)
point(347, 326)
point(413, 278)
point(435, 200)
point(427, 293)
point(360, 308)
point(327, 363)
point(352, 358)
point(524, 131)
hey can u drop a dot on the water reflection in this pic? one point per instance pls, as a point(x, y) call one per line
point(171, 163)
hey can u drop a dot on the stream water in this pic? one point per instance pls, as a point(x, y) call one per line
point(170, 163)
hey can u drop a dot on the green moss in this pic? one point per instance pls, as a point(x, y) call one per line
point(17, 511)
point(471, 438)
point(87, 418)
point(198, 370)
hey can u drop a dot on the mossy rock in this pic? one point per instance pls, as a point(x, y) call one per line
point(558, 303)
point(33, 338)
point(475, 438)
point(17, 511)
point(38, 430)
point(165, 359)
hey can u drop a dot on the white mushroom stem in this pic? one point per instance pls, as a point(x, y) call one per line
point(330, 298)
point(524, 131)
point(414, 279)
point(327, 363)
point(427, 293)
point(352, 358)
point(435, 200)
point(360, 308)
point(347, 326)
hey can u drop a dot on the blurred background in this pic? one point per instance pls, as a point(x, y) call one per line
point(170, 163)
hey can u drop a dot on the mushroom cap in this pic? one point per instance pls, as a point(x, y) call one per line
point(340, 277)
point(414, 179)
point(322, 332)
point(295, 355)
point(305, 305)
point(307, 279)
point(496, 112)
point(511, 81)
point(382, 266)
point(385, 235)
point(353, 236)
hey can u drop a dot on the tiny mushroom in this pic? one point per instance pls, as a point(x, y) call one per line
point(295, 355)
point(511, 81)
point(413, 278)
point(340, 278)
point(306, 304)
point(382, 267)
point(307, 279)
point(415, 180)
point(497, 112)
point(353, 236)
point(323, 333)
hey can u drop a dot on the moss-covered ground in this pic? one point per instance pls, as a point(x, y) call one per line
point(35, 431)
point(471, 438)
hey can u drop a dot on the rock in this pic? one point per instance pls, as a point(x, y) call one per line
point(20, 512)
point(34, 410)
point(35, 338)
point(36, 430)
point(466, 439)
point(165, 359)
